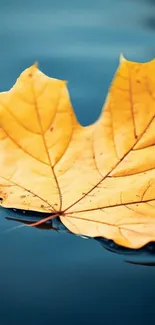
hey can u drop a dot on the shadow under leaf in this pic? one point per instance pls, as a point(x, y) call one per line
point(142, 256)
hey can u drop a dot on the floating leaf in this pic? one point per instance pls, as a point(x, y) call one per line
point(99, 179)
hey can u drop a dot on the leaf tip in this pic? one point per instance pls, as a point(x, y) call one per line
point(122, 58)
point(31, 70)
point(35, 64)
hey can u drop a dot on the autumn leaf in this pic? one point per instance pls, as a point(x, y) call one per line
point(99, 179)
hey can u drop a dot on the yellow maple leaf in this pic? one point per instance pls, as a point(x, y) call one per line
point(99, 179)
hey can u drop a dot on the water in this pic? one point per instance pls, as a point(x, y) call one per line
point(47, 277)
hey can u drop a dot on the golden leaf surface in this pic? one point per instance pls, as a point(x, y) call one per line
point(99, 179)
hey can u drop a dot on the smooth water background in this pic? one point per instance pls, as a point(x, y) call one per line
point(51, 278)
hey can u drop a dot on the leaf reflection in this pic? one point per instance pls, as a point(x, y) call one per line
point(142, 256)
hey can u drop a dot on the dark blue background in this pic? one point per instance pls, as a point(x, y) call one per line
point(51, 278)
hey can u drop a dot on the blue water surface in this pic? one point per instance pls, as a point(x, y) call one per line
point(55, 278)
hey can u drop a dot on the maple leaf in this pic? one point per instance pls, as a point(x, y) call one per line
point(99, 179)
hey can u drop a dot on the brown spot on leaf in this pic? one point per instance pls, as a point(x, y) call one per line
point(2, 196)
point(23, 196)
point(52, 128)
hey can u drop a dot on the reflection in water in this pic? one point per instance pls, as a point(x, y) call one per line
point(151, 2)
point(150, 20)
point(142, 256)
